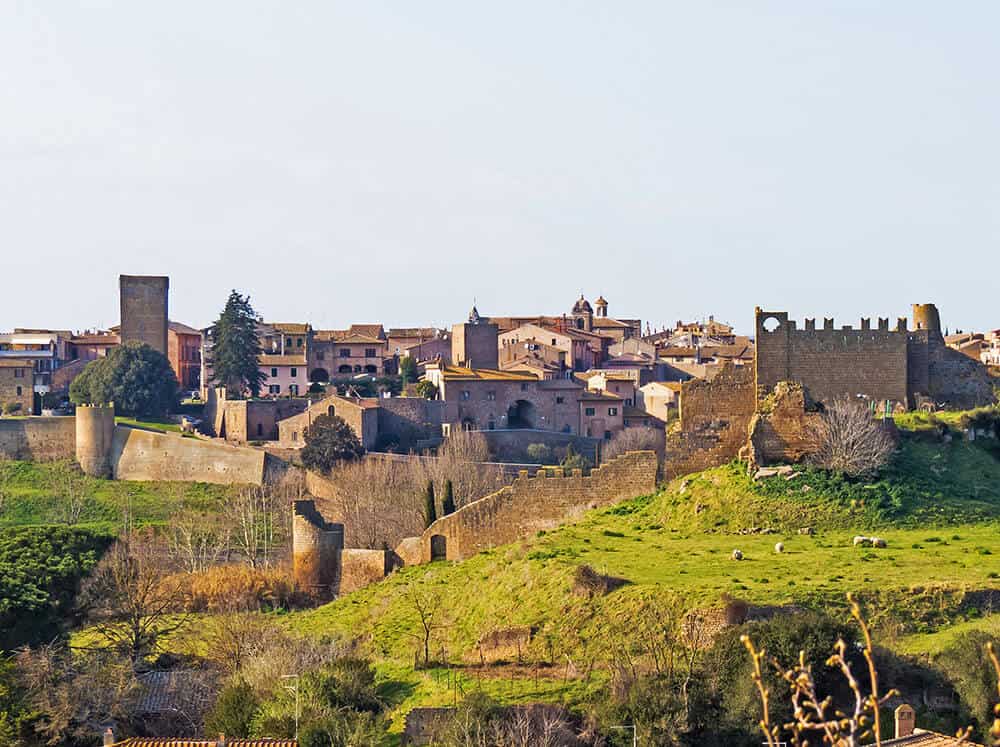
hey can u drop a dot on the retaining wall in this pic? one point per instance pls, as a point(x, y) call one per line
point(38, 439)
point(145, 455)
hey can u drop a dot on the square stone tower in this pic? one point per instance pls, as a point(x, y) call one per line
point(144, 311)
point(475, 343)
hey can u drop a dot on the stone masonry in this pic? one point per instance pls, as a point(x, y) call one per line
point(144, 312)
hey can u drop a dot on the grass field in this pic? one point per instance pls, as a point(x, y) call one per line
point(35, 493)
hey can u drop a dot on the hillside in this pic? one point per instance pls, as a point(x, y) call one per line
point(938, 506)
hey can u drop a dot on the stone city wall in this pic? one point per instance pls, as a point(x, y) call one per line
point(409, 420)
point(147, 455)
point(360, 568)
point(532, 504)
point(38, 439)
point(512, 444)
point(782, 432)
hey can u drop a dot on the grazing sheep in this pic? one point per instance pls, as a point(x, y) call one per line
point(737, 555)
point(878, 542)
point(779, 547)
point(859, 540)
point(807, 530)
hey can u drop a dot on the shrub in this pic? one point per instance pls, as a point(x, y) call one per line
point(427, 390)
point(12, 408)
point(572, 460)
point(637, 439)
point(235, 587)
point(849, 440)
point(136, 378)
point(233, 712)
point(539, 453)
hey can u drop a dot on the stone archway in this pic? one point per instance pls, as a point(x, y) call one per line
point(439, 547)
point(521, 414)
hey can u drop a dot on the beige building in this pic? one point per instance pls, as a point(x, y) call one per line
point(361, 413)
point(582, 350)
point(343, 353)
point(15, 386)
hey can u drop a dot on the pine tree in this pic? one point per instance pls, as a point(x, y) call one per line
point(448, 504)
point(236, 347)
point(430, 510)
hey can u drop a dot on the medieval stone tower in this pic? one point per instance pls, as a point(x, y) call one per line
point(925, 316)
point(475, 343)
point(144, 312)
point(316, 551)
point(95, 432)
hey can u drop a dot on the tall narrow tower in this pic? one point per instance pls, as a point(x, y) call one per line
point(144, 311)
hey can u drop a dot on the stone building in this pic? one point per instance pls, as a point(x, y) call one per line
point(581, 317)
point(16, 389)
point(474, 343)
point(344, 353)
point(360, 413)
point(144, 310)
point(184, 354)
point(903, 367)
point(285, 375)
point(582, 350)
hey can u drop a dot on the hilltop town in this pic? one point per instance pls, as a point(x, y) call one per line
point(531, 521)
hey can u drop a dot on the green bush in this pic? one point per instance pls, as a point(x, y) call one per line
point(233, 712)
point(136, 378)
point(329, 440)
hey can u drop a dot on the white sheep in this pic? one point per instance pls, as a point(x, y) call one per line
point(878, 542)
point(779, 547)
point(859, 540)
point(737, 555)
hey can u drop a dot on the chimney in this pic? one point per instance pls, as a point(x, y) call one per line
point(906, 721)
point(109, 737)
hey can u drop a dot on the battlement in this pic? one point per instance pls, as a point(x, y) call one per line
point(774, 322)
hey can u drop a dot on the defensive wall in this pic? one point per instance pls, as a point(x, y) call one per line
point(531, 504)
point(38, 439)
point(144, 310)
point(322, 567)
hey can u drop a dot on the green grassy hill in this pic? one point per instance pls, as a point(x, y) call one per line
point(938, 506)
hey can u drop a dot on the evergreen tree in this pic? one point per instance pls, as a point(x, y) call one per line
point(430, 510)
point(236, 347)
point(136, 378)
point(330, 440)
point(408, 370)
point(448, 504)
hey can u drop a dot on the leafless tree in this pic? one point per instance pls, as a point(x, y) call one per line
point(197, 540)
point(464, 459)
point(642, 438)
point(129, 603)
point(75, 694)
point(424, 605)
point(847, 438)
point(233, 639)
point(378, 500)
point(69, 487)
point(256, 514)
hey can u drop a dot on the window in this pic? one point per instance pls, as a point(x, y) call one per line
point(466, 394)
point(274, 389)
point(293, 389)
point(628, 402)
point(491, 396)
point(612, 411)
point(19, 391)
point(589, 411)
point(319, 355)
point(295, 435)
point(524, 386)
point(298, 342)
point(274, 373)
point(560, 400)
point(295, 373)
point(607, 435)
point(18, 373)
point(369, 352)
point(345, 352)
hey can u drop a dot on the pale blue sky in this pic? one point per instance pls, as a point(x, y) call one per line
point(373, 161)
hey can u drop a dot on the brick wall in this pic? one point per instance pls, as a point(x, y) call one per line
point(38, 439)
point(241, 421)
point(534, 503)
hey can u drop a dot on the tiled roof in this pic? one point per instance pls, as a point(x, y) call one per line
point(921, 738)
point(96, 339)
point(15, 363)
point(182, 329)
point(607, 322)
point(272, 359)
point(360, 333)
point(458, 373)
point(165, 691)
point(290, 328)
point(592, 395)
point(427, 332)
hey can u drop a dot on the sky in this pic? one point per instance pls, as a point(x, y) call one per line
point(396, 161)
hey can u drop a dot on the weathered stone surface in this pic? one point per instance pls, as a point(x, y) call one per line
point(38, 439)
point(145, 455)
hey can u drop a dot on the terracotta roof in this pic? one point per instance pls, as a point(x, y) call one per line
point(606, 321)
point(674, 386)
point(15, 363)
point(677, 352)
point(171, 742)
point(426, 332)
point(182, 329)
point(91, 339)
point(355, 334)
point(458, 373)
point(275, 359)
point(635, 412)
point(293, 328)
point(593, 395)
point(921, 738)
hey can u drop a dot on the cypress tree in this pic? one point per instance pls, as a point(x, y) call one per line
point(448, 504)
point(430, 511)
point(236, 347)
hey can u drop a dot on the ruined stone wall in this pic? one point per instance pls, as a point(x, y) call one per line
point(361, 568)
point(955, 379)
point(829, 362)
point(534, 503)
point(146, 455)
point(38, 439)
point(782, 432)
point(144, 312)
point(714, 421)
point(316, 547)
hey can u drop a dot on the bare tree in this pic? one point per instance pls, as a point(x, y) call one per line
point(129, 602)
point(425, 605)
point(256, 514)
point(197, 540)
point(69, 487)
point(848, 439)
point(642, 438)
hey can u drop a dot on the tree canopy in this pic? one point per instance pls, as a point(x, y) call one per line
point(136, 378)
point(329, 440)
point(236, 347)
